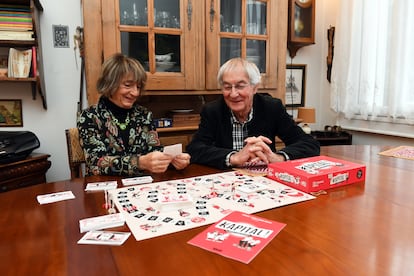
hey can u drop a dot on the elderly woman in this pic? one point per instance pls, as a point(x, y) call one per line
point(118, 135)
point(241, 126)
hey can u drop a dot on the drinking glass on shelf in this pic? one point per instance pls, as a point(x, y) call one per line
point(125, 18)
point(135, 16)
point(162, 19)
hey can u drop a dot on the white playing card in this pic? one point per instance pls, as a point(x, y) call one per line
point(101, 186)
point(54, 197)
point(174, 150)
point(104, 237)
point(137, 180)
point(101, 222)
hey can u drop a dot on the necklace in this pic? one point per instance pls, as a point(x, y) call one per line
point(123, 125)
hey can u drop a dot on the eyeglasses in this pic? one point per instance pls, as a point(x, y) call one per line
point(238, 86)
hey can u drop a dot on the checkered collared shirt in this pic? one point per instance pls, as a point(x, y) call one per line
point(240, 131)
point(239, 134)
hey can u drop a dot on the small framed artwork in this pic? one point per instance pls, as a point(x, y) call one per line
point(60, 36)
point(295, 85)
point(11, 113)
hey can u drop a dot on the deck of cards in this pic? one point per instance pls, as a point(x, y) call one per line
point(101, 186)
point(101, 222)
point(137, 180)
point(55, 197)
point(104, 237)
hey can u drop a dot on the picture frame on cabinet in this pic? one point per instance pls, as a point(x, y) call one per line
point(295, 85)
point(11, 114)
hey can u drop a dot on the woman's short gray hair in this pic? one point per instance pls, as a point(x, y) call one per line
point(250, 68)
point(114, 69)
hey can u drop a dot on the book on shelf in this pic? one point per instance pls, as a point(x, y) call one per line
point(19, 63)
point(17, 8)
point(35, 73)
point(15, 27)
point(16, 35)
point(15, 18)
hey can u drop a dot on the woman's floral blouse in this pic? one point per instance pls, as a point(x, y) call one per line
point(105, 151)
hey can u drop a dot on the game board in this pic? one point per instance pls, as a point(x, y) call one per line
point(405, 152)
point(161, 208)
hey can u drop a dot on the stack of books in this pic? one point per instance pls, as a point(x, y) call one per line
point(15, 22)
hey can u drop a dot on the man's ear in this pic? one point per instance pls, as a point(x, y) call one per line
point(255, 88)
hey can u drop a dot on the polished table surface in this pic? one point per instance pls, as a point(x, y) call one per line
point(361, 229)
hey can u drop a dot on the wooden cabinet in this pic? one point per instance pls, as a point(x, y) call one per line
point(36, 75)
point(176, 135)
point(29, 171)
point(200, 35)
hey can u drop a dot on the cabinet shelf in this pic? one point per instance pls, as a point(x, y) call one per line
point(37, 83)
point(17, 43)
point(3, 79)
point(180, 128)
point(34, 82)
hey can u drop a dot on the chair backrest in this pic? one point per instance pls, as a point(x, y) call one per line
point(76, 156)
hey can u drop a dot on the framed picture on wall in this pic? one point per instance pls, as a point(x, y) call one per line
point(11, 113)
point(60, 36)
point(295, 85)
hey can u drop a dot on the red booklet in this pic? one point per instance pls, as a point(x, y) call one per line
point(34, 62)
point(238, 236)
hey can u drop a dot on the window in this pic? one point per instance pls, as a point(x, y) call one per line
point(373, 66)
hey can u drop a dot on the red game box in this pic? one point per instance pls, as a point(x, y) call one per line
point(316, 173)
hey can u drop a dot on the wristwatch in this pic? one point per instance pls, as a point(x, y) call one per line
point(284, 154)
point(228, 164)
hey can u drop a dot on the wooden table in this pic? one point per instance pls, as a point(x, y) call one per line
point(362, 229)
point(29, 171)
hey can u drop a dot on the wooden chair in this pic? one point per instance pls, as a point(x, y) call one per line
point(76, 156)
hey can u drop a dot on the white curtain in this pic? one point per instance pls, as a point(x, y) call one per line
point(373, 66)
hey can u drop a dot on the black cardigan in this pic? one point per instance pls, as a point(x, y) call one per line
point(213, 140)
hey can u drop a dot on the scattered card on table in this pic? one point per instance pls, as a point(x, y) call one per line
point(101, 222)
point(137, 180)
point(54, 197)
point(104, 237)
point(101, 186)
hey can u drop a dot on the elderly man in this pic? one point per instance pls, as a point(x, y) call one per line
point(240, 127)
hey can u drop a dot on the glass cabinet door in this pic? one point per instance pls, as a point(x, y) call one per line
point(157, 33)
point(183, 43)
point(241, 30)
point(135, 43)
point(252, 45)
